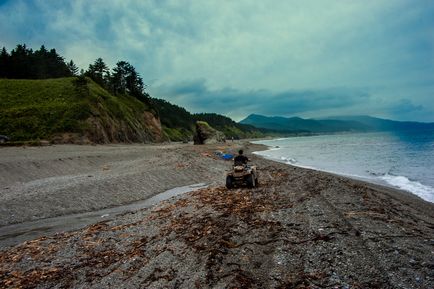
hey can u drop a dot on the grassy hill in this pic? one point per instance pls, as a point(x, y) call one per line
point(73, 110)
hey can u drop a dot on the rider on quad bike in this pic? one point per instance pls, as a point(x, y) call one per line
point(241, 173)
point(240, 159)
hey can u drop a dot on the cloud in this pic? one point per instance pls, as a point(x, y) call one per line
point(196, 96)
point(405, 106)
point(252, 49)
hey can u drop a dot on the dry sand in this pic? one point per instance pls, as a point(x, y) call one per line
point(41, 182)
point(299, 229)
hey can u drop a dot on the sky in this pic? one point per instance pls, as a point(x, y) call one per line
point(305, 58)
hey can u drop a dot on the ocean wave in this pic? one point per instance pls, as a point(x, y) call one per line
point(402, 182)
point(288, 160)
point(388, 168)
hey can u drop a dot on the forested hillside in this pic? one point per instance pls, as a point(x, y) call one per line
point(178, 124)
point(46, 98)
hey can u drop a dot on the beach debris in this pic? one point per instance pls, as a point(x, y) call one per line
point(288, 234)
point(206, 154)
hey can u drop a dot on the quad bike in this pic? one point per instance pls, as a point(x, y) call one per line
point(242, 175)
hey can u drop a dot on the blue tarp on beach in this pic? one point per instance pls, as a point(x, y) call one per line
point(227, 157)
point(224, 156)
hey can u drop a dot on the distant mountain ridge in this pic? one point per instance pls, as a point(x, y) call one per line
point(331, 124)
point(382, 124)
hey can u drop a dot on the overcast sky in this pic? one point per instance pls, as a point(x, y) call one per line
point(305, 58)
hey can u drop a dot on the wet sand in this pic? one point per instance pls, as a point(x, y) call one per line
point(17, 233)
point(299, 229)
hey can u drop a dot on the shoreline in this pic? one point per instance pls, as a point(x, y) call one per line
point(380, 186)
point(368, 179)
point(300, 227)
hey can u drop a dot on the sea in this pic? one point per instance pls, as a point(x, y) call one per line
point(400, 159)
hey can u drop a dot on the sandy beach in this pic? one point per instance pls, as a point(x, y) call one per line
point(42, 182)
point(299, 229)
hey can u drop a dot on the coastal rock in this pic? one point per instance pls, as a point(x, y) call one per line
point(205, 134)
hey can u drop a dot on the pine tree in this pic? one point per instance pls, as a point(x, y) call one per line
point(125, 79)
point(98, 71)
point(40, 68)
point(4, 63)
point(73, 69)
point(20, 62)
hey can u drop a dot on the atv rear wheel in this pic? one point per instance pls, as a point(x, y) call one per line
point(229, 182)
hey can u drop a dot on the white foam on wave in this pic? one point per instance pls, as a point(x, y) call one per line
point(265, 141)
point(285, 160)
point(402, 182)
point(288, 160)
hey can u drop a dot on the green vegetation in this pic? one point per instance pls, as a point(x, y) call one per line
point(42, 109)
point(177, 134)
point(35, 110)
point(204, 123)
point(24, 63)
point(41, 101)
point(179, 124)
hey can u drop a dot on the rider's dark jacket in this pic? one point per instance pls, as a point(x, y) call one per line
point(240, 160)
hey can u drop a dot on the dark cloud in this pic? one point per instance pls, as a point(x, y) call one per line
point(245, 57)
point(197, 97)
point(196, 87)
point(405, 106)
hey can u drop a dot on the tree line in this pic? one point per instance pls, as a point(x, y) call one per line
point(24, 63)
point(122, 79)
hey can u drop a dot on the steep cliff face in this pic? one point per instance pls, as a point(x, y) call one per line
point(60, 111)
point(145, 129)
